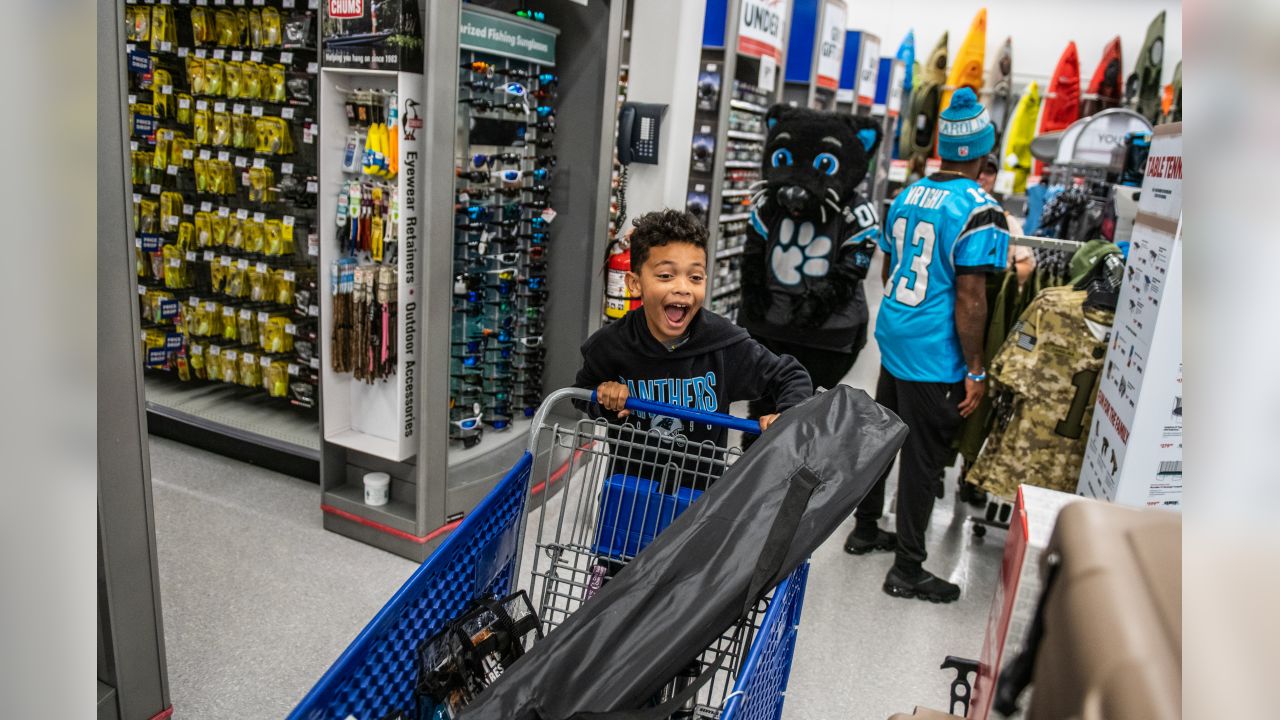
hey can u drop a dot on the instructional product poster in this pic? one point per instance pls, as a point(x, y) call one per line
point(1134, 453)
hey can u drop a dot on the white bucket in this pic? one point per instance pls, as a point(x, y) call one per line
point(377, 488)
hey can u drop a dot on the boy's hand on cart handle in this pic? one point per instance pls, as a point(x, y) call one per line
point(766, 421)
point(613, 396)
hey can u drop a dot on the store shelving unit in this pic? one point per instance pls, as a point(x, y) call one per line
point(222, 126)
point(442, 478)
point(815, 53)
point(737, 84)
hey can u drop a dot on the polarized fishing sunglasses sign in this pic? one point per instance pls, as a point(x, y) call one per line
point(487, 31)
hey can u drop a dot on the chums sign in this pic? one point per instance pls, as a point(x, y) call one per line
point(761, 27)
point(345, 9)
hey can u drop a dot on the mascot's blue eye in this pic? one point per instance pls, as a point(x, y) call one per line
point(826, 163)
point(781, 157)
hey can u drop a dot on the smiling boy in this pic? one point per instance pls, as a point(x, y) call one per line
point(671, 350)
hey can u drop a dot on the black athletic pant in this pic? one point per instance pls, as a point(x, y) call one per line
point(932, 418)
point(826, 367)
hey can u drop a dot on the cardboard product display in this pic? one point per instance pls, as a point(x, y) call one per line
point(747, 532)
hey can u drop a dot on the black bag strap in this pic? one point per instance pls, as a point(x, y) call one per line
point(777, 544)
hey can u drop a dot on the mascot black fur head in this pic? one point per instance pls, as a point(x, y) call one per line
point(814, 160)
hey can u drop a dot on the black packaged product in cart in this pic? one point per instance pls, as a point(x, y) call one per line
point(770, 510)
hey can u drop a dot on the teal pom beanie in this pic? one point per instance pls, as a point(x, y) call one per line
point(964, 129)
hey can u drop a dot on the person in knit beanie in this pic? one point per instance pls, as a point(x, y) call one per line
point(943, 235)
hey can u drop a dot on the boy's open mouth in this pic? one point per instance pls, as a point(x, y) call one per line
point(676, 313)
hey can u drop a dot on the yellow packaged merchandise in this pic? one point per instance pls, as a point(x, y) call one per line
point(275, 378)
point(285, 284)
point(250, 370)
point(213, 362)
point(247, 324)
point(274, 336)
point(231, 367)
point(230, 328)
point(198, 367)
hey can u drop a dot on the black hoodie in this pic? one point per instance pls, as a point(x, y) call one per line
point(715, 364)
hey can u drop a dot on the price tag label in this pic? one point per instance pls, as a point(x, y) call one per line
point(219, 106)
point(137, 198)
point(165, 45)
point(312, 68)
point(313, 250)
point(225, 261)
point(312, 187)
point(237, 55)
point(191, 256)
point(231, 355)
point(242, 213)
point(130, 47)
point(206, 206)
point(315, 363)
point(313, 4)
point(249, 358)
point(137, 242)
point(133, 145)
point(202, 104)
point(202, 53)
point(224, 155)
point(290, 276)
point(293, 369)
point(291, 329)
point(244, 178)
point(262, 268)
point(193, 301)
point(175, 262)
point(188, 154)
point(166, 89)
point(242, 161)
point(167, 135)
point(259, 217)
point(184, 103)
point(238, 108)
point(219, 54)
point(259, 163)
point(256, 56)
point(208, 256)
point(228, 312)
point(263, 317)
point(265, 361)
point(313, 310)
point(182, 51)
point(286, 57)
point(215, 350)
point(187, 209)
point(142, 289)
point(206, 154)
point(286, 113)
point(288, 221)
point(155, 189)
point(242, 263)
point(256, 111)
point(246, 314)
point(259, 2)
point(197, 349)
point(172, 170)
point(133, 99)
point(286, 168)
point(210, 306)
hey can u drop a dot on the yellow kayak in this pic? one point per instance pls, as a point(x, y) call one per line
point(1022, 129)
point(970, 60)
point(919, 123)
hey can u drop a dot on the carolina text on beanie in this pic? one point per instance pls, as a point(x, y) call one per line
point(964, 128)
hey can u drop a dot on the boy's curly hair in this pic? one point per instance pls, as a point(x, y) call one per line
point(660, 227)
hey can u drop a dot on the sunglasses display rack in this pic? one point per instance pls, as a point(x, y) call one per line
point(735, 89)
point(505, 164)
point(223, 166)
point(370, 243)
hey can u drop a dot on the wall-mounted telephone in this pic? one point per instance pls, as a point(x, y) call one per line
point(639, 126)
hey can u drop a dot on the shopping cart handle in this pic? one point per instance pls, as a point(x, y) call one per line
point(690, 414)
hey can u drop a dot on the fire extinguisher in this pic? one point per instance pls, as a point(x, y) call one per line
point(617, 298)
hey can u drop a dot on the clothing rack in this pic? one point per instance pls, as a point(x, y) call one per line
point(1044, 243)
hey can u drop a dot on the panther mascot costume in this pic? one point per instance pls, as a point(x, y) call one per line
point(810, 241)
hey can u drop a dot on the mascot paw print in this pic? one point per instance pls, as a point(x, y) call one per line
point(798, 254)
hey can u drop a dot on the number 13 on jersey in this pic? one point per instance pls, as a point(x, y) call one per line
point(909, 280)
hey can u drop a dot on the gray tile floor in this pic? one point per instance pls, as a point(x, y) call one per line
point(259, 599)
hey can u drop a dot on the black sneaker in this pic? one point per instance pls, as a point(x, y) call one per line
point(972, 494)
point(882, 540)
point(924, 585)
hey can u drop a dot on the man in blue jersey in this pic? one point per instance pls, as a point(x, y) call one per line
point(943, 234)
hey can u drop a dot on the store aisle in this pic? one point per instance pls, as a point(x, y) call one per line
point(259, 599)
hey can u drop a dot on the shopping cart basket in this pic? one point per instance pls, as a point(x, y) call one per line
point(606, 491)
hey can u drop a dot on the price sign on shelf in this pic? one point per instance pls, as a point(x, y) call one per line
point(256, 56)
point(206, 206)
point(243, 263)
point(286, 113)
point(242, 213)
point(286, 168)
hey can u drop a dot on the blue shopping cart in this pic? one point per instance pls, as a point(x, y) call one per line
point(607, 490)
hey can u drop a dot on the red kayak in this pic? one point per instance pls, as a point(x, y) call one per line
point(1107, 86)
point(1062, 103)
